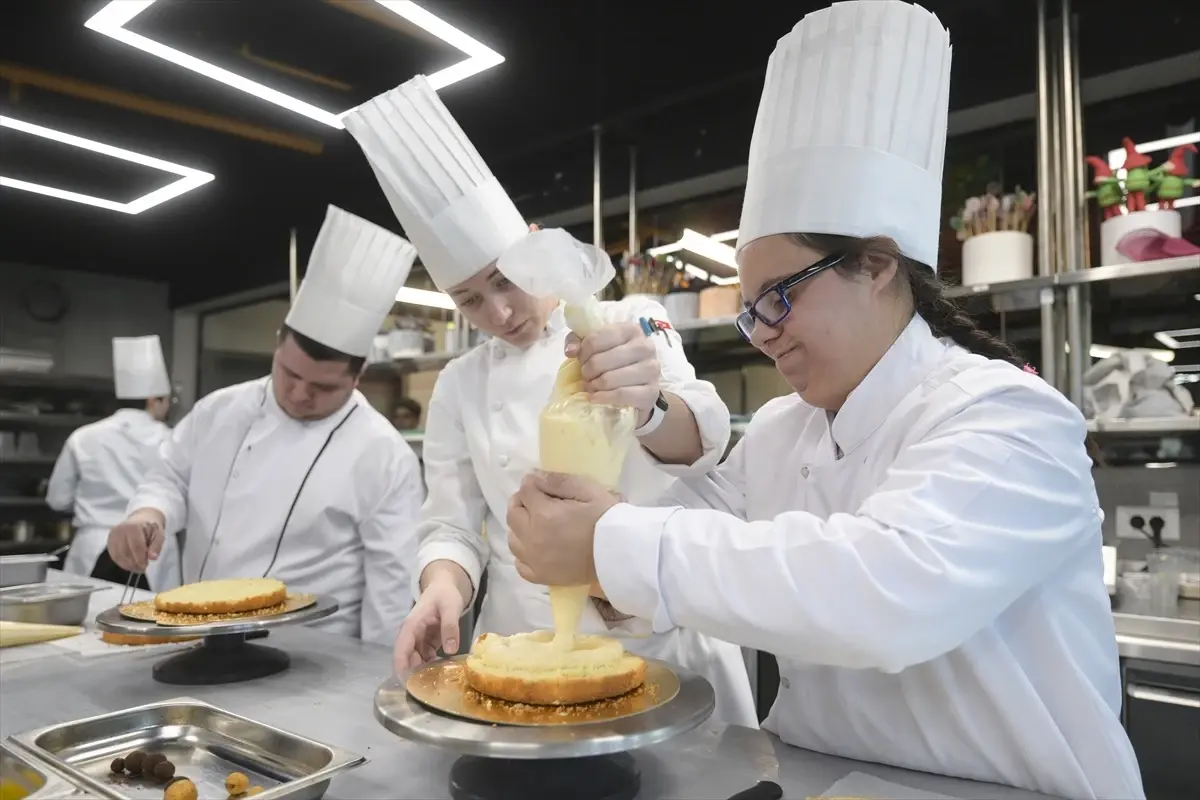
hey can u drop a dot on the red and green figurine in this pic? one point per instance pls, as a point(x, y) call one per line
point(1170, 179)
point(1108, 192)
point(1137, 176)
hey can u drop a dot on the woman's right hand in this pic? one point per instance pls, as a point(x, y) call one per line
point(432, 623)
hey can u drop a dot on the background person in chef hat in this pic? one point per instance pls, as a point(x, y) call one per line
point(915, 532)
point(295, 476)
point(481, 428)
point(100, 466)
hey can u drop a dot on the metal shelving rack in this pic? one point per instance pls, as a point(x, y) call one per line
point(27, 524)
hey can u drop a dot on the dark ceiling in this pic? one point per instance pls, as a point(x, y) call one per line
point(679, 80)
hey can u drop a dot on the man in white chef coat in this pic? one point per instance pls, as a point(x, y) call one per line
point(481, 431)
point(914, 532)
point(101, 465)
point(295, 476)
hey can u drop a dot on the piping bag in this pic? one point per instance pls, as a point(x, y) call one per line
point(575, 435)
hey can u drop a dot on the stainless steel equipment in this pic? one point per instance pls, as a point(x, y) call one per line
point(405, 717)
point(31, 568)
point(46, 603)
point(38, 781)
point(1162, 717)
point(587, 760)
point(226, 654)
point(204, 743)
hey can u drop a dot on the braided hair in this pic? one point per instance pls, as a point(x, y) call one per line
point(944, 317)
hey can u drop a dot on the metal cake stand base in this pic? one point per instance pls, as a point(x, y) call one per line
point(225, 654)
point(613, 777)
point(222, 659)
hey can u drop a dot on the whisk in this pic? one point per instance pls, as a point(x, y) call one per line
point(133, 579)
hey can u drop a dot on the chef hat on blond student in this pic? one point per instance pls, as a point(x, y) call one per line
point(850, 136)
point(355, 270)
point(452, 207)
point(139, 370)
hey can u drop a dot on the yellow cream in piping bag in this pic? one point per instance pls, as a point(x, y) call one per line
point(578, 437)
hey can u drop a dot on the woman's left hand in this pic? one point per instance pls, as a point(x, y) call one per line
point(620, 366)
point(551, 526)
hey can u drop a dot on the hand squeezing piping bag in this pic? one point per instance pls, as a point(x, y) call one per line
point(575, 436)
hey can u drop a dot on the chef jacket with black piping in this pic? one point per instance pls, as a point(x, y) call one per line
point(232, 470)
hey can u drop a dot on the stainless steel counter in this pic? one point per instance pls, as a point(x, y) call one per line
point(327, 695)
point(1173, 637)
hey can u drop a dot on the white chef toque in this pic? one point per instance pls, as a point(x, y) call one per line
point(355, 270)
point(139, 370)
point(451, 206)
point(850, 136)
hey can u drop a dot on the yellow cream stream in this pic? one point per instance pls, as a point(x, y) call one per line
point(577, 437)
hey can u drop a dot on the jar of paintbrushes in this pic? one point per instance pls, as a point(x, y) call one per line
point(644, 275)
point(994, 230)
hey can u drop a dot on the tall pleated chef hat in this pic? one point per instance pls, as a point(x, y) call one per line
point(139, 370)
point(451, 206)
point(850, 136)
point(355, 270)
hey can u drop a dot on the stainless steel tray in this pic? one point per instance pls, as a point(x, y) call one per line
point(37, 779)
point(46, 603)
point(204, 742)
point(31, 568)
point(112, 621)
point(405, 717)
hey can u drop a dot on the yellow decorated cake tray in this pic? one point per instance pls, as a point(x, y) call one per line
point(141, 619)
point(442, 685)
point(146, 612)
point(432, 704)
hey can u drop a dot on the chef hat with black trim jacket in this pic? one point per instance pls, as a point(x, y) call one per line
point(354, 272)
point(139, 369)
point(850, 136)
point(452, 207)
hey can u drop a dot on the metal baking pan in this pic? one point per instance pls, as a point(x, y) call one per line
point(46, 603)
point(205, 743)
point(33, 781)
point(31, 568)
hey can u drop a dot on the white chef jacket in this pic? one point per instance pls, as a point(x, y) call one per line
point(481, 440)
point(97, 472)
point(935, 594)
point(231, 474)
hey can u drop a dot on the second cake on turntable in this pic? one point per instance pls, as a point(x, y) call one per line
point(222, 596)
point(532, 668)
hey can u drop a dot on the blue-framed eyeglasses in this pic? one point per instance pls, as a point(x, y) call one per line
point(772, 306)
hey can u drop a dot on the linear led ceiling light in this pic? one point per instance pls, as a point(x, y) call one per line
point(710, 247)
point(424, 297)
point(188, 178)
point(112, 19)
point(1116, 158)
point(1179, 339)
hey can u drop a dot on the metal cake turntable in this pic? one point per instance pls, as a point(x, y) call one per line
point(515, 751)
point(226, 654)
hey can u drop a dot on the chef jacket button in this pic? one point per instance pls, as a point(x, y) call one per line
point(235, 473)
point(804, 471)
point(499, 353)
point(496, 406)
point(785, 683)
point(503, 461)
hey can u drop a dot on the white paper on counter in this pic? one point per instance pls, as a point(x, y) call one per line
point(859, 784)
point(89, 645)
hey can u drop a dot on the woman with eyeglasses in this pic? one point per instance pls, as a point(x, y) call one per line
point(915, 532)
